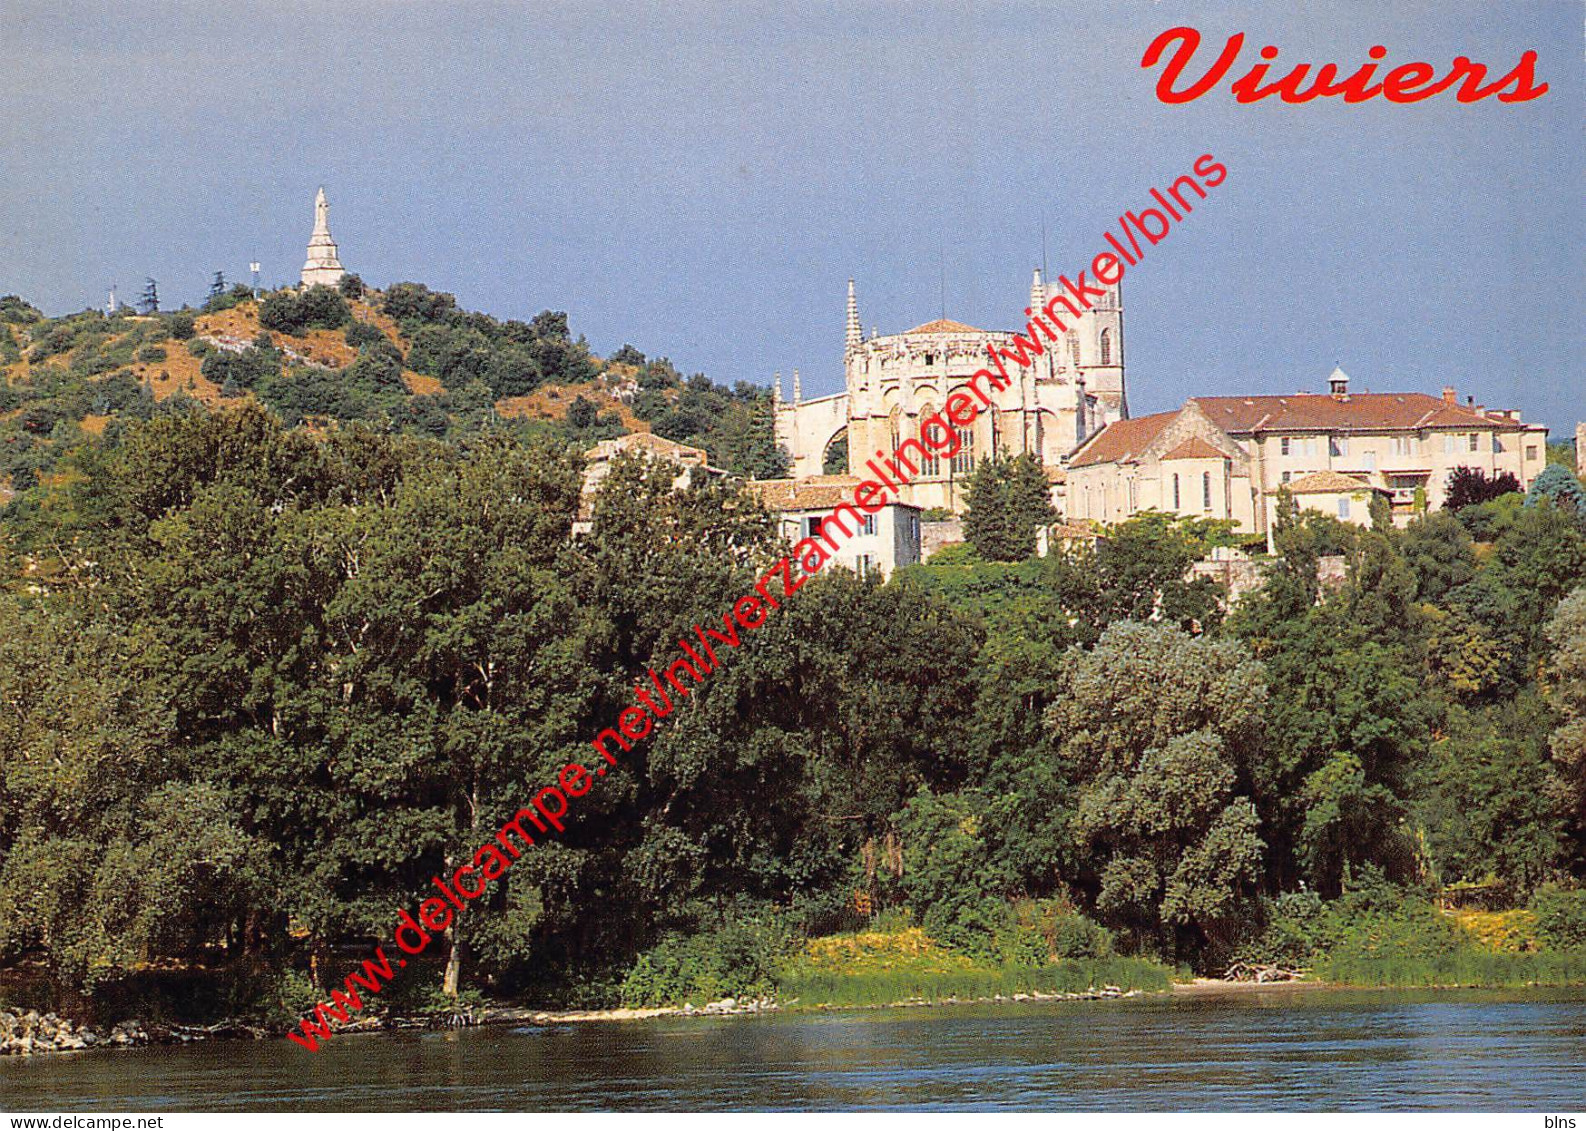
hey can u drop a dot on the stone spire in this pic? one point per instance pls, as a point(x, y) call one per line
point(798, 392)
point(776, 390)
point(322, 266)
point(855, 331)
point(1037, 293)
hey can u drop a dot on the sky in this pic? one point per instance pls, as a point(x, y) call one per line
point(702, 180)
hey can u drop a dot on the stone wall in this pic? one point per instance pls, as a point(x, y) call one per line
point(935, 536)
point(1243, 575)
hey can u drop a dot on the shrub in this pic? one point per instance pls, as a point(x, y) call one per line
point(379, 366)
point(1560, 917)
point(152, 354)
point(14, 309)
point(1470, 486)
point(285, 1001)
point(242, 370)
point(737, 959)
point(414, 300)
point(322, 308)
point(364, 334)
point(1039, 933)
point(318, 308)
point(181, 325)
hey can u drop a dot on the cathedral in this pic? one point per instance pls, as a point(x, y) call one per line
point(1073, 390)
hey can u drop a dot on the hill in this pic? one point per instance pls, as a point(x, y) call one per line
point(404, 359)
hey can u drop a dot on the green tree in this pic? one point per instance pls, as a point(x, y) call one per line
point(1008, 501)
point(1162, 805)
point(1566, 631)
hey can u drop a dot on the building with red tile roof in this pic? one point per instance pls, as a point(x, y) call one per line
point(1227, 457)
point(864, 543)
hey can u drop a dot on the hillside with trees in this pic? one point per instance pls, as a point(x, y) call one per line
point(406, 360)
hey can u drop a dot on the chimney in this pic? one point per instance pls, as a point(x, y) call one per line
point(1449, 395)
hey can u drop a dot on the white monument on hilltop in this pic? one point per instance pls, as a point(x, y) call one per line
point(322, 266)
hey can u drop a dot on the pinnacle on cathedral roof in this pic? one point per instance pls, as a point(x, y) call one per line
point(855, 331)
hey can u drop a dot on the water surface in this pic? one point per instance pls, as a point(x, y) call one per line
point(1281, 1050)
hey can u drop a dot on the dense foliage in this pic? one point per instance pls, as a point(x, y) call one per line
point(260, 681)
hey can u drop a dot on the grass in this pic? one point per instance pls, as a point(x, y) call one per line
point(1465, 967)
point(812, 987)
point(883, 968)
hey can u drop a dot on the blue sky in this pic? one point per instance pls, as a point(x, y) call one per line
point(701, 180)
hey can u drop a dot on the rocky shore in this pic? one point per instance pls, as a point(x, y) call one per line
point(22, 1034)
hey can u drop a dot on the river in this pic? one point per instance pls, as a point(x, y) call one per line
point(1284, 1049)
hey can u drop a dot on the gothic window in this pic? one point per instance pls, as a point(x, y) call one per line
point(1073, 349)
point(964, 461)
point(933, 464)
point(1106, 347)
point(1206, 490)
point(1175, 491)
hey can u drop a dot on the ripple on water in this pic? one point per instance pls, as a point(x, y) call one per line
point(1321, 1050)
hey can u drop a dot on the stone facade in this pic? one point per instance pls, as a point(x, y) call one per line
point(322, 266)
point(1074, 389)
point(877, 543)
point(688, 464)
point(1225, 457)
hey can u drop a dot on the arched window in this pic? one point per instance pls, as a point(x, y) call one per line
point(1175, 490)
point(1106, 347)
point(933, 464)
point(1073, 349)
point(1206, 490)
point(964, 461)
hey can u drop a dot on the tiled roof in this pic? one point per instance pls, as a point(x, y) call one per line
point(1121, 440)
point(818, 492)
point(1366, 412)
point(944, 326)
point(1326, 483)
point(1195, 448)
point(646, 442)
